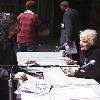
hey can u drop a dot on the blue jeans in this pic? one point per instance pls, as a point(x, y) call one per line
point(26, 47)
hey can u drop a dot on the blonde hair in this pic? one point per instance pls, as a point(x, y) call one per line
point(90, 35)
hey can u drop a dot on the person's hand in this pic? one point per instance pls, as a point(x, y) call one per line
point(20, 76)
point(69, 61)
point(69, 71)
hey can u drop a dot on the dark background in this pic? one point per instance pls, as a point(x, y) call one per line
point(50, 14)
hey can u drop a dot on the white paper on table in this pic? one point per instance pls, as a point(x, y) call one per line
point(81, 93)
point(82, 82)
point(33, 85)
point(29, 96)
point(55, 94)
point(71, 49)
point(56, 77)
point(59, 94)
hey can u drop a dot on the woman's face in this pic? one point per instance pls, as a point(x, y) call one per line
point(85, 44)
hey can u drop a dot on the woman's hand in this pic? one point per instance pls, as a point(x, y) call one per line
point(70, 61)
point(20, 76)
point(70, 70)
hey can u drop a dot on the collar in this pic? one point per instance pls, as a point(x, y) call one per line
point(29, 12)
point(66, 9)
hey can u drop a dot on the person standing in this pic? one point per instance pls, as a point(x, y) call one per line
point(70, 28)
point(28, 27)
point(7, 55)
point(7, 52)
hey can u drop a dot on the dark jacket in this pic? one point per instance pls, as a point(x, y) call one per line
point(91, 71)
point(71, 27)
point(7, 54)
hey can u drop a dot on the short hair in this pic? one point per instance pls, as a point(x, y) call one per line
point(90, 35)
point(64, 4)
point(30, 4)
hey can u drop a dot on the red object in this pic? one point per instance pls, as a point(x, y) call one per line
point(28, 28)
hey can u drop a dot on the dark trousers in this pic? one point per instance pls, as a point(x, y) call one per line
point(26, 47)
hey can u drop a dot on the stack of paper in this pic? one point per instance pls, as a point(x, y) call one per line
point(81, 93)
point(34, 85)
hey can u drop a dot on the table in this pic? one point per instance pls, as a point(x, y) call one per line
point(64, 87)
point(67, 88)
point(42, 58)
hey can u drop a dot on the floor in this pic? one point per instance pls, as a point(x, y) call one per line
point(47, 44)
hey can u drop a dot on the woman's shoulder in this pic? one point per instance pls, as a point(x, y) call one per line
point(96, 51)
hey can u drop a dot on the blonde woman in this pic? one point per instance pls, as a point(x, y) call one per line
point(91, 52)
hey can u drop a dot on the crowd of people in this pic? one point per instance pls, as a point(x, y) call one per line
point(7, 54)
point(23, 28)
point(85, 41)
point(26, 27)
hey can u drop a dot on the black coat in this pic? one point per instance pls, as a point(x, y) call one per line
point(7, 54)
point(71, 22)
point(7, 57)
point(91, 71)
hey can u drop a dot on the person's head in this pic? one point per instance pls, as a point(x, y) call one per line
point(87, 39)
point(7, 20)
point(64, 5)
point(30, 5)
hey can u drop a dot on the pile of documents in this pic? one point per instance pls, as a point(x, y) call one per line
point(33, 85)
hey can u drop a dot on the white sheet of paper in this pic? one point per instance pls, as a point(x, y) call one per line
point(33, 85)
point(56, 77)
point(62, 25)
point(81, 93)
point(81, 81)
point(55, 94)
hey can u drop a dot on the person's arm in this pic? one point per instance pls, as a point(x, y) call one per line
point(18, 76)
point(91, 71)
